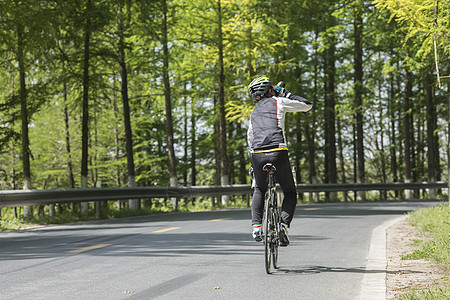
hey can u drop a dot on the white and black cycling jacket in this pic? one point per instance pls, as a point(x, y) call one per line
point(266, 128)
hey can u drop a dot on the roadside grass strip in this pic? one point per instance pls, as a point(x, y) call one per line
point(434, 224)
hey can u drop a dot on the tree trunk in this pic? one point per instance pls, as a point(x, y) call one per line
point(310, 131)
point(116, 140)
point(383, 156)
point(27, 210)
point(407, 130)
point(330, 117)
point(448, 131)
point(167, 97)
point(431, 128)
point(13, 152)
point(94, 145)
point(358, 66)
point(217, 150)
point(185, 138)
point(193, 145)
point(85, 110)
point(67, 133)
point(393, 140)
point(69, 153)
point(297, 174)
point(341, 157)
point(134, 204)
point(223, 157)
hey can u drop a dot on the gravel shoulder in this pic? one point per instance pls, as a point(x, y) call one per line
point(406, 275)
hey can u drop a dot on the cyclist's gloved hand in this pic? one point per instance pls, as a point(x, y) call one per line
point(279, 89)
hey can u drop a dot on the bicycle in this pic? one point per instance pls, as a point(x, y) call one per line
point(271, 224)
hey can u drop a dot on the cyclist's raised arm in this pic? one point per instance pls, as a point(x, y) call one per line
point(292, 103)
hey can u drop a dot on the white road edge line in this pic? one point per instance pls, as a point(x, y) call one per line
point(373, 286)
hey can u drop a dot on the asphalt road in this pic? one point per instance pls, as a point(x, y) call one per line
point(203, 255)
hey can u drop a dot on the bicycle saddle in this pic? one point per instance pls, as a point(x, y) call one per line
point(268, 167)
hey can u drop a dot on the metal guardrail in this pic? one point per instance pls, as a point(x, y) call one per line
point(41, 197)
point(393, 186)
point(36, 197)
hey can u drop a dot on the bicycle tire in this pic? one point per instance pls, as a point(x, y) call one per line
point(276, 239)
point(267, 235)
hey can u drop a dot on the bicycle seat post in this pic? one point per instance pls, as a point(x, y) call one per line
point(270, 168)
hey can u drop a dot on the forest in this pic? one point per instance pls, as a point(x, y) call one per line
point(116, 93)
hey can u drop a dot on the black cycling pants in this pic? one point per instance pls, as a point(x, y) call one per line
point(283, 176)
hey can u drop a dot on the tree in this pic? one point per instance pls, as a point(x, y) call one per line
point(24, 115)
point(358, 77)
point(85, 105)
point(223, 157)
point(121, 18)
point(329, 61)
point(168, 100)
point(22, 26)
point(432, 143)
point(426, 26)
point(407, 117)
point(427, 19)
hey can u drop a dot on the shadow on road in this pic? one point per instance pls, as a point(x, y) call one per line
point(311, 270)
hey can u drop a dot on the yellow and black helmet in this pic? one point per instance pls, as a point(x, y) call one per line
point(259, 87)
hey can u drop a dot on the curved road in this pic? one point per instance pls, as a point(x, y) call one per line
point(203, 255)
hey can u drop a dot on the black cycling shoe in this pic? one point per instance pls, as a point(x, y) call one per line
point(284, 237)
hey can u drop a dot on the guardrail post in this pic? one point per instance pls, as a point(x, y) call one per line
point(133, 204)
point(174, 200)
point(224, 180)
point(98, 204)
point(408, 193)
point(314, 197)
point(28, 209)
point(84, 206)
point(51, 210)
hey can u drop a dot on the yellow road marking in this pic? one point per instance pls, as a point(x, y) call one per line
point(89, 248)
point(312, 208)
point(217, 220)
point(164, 230)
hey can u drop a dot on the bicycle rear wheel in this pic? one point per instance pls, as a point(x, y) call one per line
point(276, 238)
point(267, 235)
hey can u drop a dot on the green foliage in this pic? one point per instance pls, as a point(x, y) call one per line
point(424, 23)
point(11, 224)
point(433, 222)
point(439, 293)
point(287, 40)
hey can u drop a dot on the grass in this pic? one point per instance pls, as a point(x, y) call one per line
point(11, 224)
point(439, 293)
point(434, 224)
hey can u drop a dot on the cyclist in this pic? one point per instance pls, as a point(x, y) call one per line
point(267, 143)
